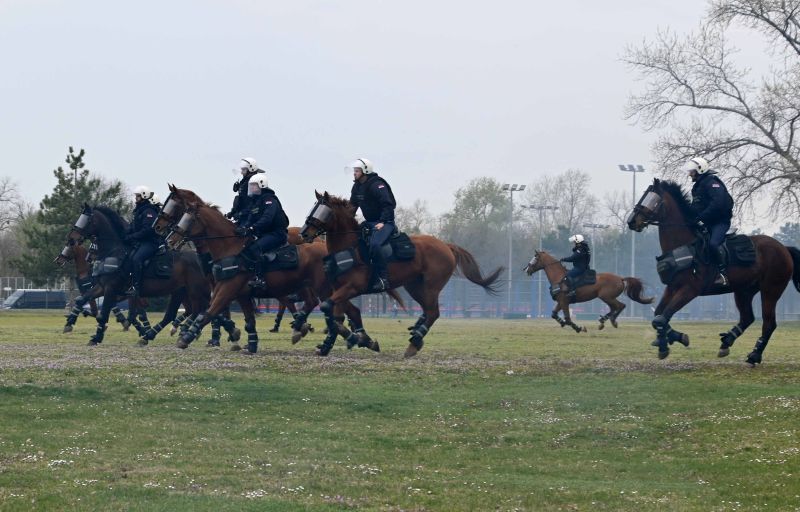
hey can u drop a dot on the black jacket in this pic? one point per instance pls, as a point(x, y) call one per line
point(581, 255)
point(375, 198)
point(266, 214)
point(711, 200)
point(241, 202)
point(141, 228)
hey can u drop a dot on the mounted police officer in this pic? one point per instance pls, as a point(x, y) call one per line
point(266, 221)
point(581, 255)
point(141, 235)
point(247, 168)
point(374, 196)
point(714, 207)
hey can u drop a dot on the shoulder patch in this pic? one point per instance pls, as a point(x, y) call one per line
point(381, 186)
point(715, 185)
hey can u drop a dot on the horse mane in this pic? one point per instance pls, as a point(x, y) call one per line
point(341, 203)
point(118, 224)
point(681, 199)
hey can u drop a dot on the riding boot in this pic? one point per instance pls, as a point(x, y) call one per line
point(722, 266)
point(136, 282)
point(566, 286)
point(251, 259)
point(380, 274)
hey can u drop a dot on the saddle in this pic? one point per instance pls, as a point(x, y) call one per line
point(398, 247)
point(160, 265)
point(739, 248)
point(589, 277)
point(283, 258)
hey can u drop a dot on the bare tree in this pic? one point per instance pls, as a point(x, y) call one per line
point(617, 205)
point(11, 203)
point(708, 105)
point(570, 191)
point(414, 219)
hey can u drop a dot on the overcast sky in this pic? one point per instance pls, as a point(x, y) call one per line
point(435, 93)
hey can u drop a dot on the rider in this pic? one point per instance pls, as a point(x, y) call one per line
point(141, 235)
point(248, 168)
point(265, 220)
point(374, 196)
point(714, 207)
point(581, 254)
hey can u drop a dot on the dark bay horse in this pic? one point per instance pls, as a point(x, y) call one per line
point(607, 288)
point(423, 277)
point(665, 205)
point(107, 229)
point(82, 259)
point(203, 222)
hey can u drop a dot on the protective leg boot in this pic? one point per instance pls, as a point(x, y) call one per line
point(380, 275)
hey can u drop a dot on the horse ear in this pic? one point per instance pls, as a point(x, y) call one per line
point(319, 196)
point(326, 195)
point(172, 187)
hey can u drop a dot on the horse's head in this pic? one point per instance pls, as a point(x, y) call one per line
point(170, 213)
point(535, 264)
point(318, 219)
point(67, 254)
point(648, 210)
point(83, 228)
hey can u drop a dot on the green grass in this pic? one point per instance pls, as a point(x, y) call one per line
point(492, 415)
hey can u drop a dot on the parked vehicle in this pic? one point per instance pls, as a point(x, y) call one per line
point(36, 299)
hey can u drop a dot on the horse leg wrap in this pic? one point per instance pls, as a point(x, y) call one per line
point(299, 319)
point(98, 336)
point(179, 320)
point(119, 315)
point(227, 324)
point(727, 338)
point(73, 314)
point(215, 332)
point(152, 332)
point(352, 340)
point(420, 321)
point(194, 330)
point(145, 321)
point(417, 335)
point(754, 357)
point(252, 337)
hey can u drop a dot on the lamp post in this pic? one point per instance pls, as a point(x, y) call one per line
point(510, 188)
point(633, 169)
point(594, 227)
point(540, 209)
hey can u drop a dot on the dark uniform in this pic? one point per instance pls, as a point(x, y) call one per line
point(375, 198)
point(267, 221)
point(144, 239)
point(714, 207)
point(241, 203)
point(581, 255)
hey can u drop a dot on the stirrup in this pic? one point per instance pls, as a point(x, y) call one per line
point(379, 285)
point(132, 291)
point(257, 282)
point(722, 279)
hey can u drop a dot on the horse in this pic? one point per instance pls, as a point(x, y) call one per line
point(665, 205)
point(107, 229)
point(202, 222)
point(83, 280)
point(423, 277)
point(607, 288)
point(168, 221)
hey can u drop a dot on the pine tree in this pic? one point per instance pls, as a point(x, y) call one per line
point(45, 231)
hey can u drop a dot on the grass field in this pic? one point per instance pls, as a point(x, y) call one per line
point(492, 415)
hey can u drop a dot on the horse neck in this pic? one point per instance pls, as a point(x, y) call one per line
point(108, 241)
point(553, 269)
point(343, 235)
point(81, 265)
point(222, 241)
point(673, 229)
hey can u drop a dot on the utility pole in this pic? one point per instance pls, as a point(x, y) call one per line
point(541, 209)
point(510, 188)
point(633, 169)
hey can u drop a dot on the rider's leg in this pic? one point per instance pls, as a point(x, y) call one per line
point(718, 252)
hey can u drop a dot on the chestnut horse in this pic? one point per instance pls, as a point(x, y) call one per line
point(205, 223)
point(607, 288)
point(423, 277)
point(665, 205)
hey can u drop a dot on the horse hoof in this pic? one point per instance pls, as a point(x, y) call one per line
point(274, 329)
point(296, 337)
point(173, 331)
point(662, 354)
point(236, 335)
point(235, 347)
point(143, 342)
point(93, 343)
point(182, 344)
point(684, 340)
point(583, 329)
point(213, 343)
point(67, 328)
point(411, 351)
point(374, 346)
point(614, 324)
point(724, 352)
point(601, 326)
point(323, 350)
point(310, 328)
point(126, 326)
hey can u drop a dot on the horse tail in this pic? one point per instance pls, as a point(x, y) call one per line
point(469, 268)
point(634, 289)
point(795, 252)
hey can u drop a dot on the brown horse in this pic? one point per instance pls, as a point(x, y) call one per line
point(607, 288)
point(203, 222)
point(423, 277)
point(83, 279)
point(664, 204)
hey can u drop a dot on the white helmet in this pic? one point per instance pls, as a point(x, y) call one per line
point(245, 166)
point(576, 239)
point(360, 163)
point(698, 164)
point(260, 181)
point(143, 191)
point(155, 199)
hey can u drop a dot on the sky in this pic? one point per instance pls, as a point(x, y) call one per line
point(435, 93)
